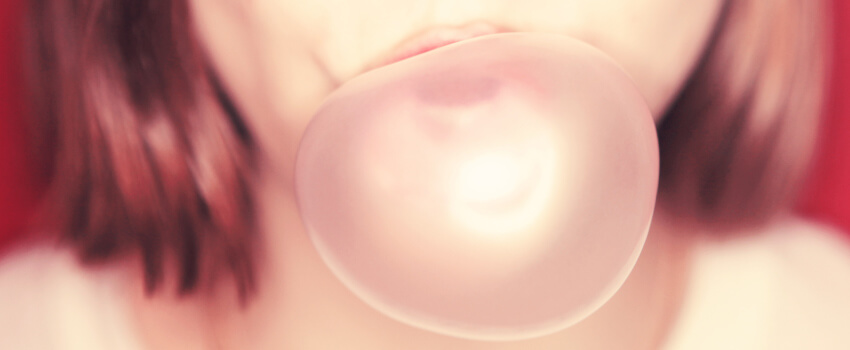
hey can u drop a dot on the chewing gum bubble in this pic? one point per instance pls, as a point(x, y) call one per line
point(498, 188)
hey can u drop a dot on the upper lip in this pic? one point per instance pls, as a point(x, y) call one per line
point(437, 37)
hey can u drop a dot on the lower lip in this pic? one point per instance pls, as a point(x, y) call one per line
point(436, 38)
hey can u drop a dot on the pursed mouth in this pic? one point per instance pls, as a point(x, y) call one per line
point(437, 37)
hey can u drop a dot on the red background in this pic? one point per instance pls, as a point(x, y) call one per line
point(826, 196)
point(19, 189)
point(827, 193)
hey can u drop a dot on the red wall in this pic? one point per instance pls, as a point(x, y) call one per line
point(827, 195)
point(18, 187)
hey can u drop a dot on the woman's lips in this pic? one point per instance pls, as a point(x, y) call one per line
point(437, 37)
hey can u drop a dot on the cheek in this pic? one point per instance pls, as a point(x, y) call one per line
point(228, 43)
point(658, 42)
point(262, 61)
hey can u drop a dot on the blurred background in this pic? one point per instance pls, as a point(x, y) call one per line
point(826, 195)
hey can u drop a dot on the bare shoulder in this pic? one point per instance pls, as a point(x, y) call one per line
point(813, 293)
point(49, 301)
point(784, 286)
point(29, 274)
point(813, 250)
point(30, 308)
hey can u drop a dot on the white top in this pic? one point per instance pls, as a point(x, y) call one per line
point(785, 288)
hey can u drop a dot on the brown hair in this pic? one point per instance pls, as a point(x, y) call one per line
point(735, 143)
point(151, 158)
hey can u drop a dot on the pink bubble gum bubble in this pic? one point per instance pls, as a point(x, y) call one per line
point(498, 188)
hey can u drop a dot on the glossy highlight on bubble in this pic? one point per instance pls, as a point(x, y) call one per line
point(498, 188)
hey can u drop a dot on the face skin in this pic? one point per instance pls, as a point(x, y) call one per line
point(280, 58)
